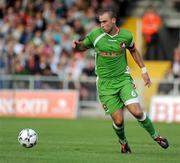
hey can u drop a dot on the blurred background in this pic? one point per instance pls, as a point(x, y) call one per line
point(36, 54)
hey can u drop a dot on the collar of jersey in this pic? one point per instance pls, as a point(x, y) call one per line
point(111, 35)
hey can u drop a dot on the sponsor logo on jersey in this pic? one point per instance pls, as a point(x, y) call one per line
point(110, 54)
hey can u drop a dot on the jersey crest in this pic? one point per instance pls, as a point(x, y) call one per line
point(123, 45)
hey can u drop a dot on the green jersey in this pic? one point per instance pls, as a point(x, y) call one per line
point(110, 50)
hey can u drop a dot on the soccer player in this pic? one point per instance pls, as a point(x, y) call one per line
point(114, 83)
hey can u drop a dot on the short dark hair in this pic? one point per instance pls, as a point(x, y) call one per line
point(111, 12)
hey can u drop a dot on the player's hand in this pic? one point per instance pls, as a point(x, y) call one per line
point(146, 79)
point(74, 43)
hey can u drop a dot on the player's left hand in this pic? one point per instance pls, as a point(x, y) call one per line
point(146, 79)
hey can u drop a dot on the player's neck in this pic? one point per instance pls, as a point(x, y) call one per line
point(114, 31)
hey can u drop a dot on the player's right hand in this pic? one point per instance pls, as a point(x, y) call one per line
point(74, 43)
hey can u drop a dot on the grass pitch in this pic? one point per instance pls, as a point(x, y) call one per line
point(84, 141)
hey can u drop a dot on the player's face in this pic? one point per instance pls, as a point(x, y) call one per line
point(107, 23)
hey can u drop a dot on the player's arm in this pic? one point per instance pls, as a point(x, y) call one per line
point(139, 60)
point(83, 45)
point(78, 45)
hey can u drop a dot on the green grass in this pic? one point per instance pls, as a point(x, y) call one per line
point(84, 141)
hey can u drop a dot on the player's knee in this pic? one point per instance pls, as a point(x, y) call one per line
point(118, 122)
point(141, 116)
point(138, 114)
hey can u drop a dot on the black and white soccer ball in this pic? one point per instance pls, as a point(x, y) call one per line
point(28, 138)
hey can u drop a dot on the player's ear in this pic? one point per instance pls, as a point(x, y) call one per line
point(114, 20)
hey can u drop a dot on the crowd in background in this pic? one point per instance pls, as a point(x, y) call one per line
point(36, 36)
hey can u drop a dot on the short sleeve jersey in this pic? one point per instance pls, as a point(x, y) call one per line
point(111, 60)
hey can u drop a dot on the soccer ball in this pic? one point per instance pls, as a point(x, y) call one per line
point(28, 138)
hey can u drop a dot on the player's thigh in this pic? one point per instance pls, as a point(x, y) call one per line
point(111, 103)
point(130, 98)
point(135, 110)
